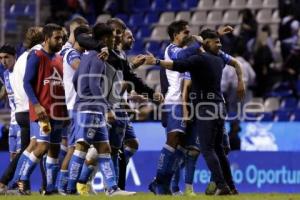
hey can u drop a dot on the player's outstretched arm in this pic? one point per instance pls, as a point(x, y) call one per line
point(238, 69)
point(151, 60)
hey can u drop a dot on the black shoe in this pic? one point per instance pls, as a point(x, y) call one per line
point(223, 191)
point(234, 191)
point(23, 188)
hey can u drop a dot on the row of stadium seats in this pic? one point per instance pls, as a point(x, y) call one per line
point(19, 9)
point(280, 115)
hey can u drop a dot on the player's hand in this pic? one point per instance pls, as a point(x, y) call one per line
point(158, 97)
point(223, 30)
point(110, 116)
point(103, 55)
point(198, 38)
point(40, 112)
point(240, 90)
point(138, 61)
point(136, 98)
point(149, 59)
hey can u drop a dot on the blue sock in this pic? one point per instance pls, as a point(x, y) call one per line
point(115, 160)
point(165, 164)
point(107, 169)
point(86, 172)
point(62, 181)
point(75, 167)
point(20, 166)
point(128, 152)
point(29, 166)
point(62, 153)
point(190, 166)
point(52, 168)
point(175, 181)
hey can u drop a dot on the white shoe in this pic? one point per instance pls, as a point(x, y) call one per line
point(119, 192)
point(178, 193)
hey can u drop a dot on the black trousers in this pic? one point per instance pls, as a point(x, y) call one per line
point(23, 121)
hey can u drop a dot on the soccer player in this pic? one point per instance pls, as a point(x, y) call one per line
point(71, 60)
point(173, 152)
point(43, 85)
point(8, 59)
point(206, 71)
point(91, 106)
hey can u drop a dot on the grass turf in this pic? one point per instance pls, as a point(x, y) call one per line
point(148, 196)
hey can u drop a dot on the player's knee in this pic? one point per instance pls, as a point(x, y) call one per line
point(132, 143)
point(82, 146)
point(91, 155)
point(103, 148)
point(193, 152)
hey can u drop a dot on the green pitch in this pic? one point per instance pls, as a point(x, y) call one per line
point(148, 196)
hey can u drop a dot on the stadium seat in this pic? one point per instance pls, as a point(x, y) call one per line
point(103, 18)
point(213, 27)
point(153, 47)
point(264, 16)
point(199, 18)
point(276, 17)
point(289, 104)
point(295, 116)
point(136, 20)
point(274, 33)
point(194, 30)
point(238, 4)
point(231, 17)
point(29, 10)
point(254, 106)
point(11, 26)
point(183, 15)
point(254, 4)
point(222, 4)
point(153, 78)
point(175, 5)
point(141, 6)
point(205, 5)
point(158, 5)
point(123, 17)
point(267, 116)
point(271, 104)
point(166, 18)
point(214, 17)
point(138, 47)
point(143, 32)
point(151, 17)
point(159, 33)
point(282, 115)
point(270, 4)
point(188, 4)
point(252, 116)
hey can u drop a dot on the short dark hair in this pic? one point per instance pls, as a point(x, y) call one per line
point(116, 21)
point(81, 29)
point(209, 34)
point(78, 20)
point(101, 30)
point(176, 27)
point(9, 49)
point(48, 30)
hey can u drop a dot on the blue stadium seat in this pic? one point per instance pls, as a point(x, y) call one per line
point(143, 32)
point(296, 115)
point(123, 17)
point(141, 6)
point(153, 47)
point(188, 4)
point(252, 117)
point(282, 115)
point(175, 5)
point(151, 17)
point(136, 20)
point(138, 47)
point(29, 10)
point(11, 26)
point(289, 103)
point(267, 116)
point(159, 5)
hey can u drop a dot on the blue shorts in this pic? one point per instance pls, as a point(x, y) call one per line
point(90, 127)
point(192, 137)
point(64, 132)
point(14, 138)
point(54, 137)
point(121, 130)
point(175, 122)
point(71, 128)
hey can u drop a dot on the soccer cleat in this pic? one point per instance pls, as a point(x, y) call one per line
point(211, 188)
point(189, 193)
point(119, 192)
point(82, 189)
point(91, 189)
point(3, 190)
point(234, 191)
point(159, 189)
point(23, 188)
point(177, 193)
point(223, 191)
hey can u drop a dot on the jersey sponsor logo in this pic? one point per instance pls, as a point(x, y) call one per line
point(91, 133)
point(54, 79)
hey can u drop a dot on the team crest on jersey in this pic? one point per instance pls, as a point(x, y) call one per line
point(91, 133)
point(54, 79)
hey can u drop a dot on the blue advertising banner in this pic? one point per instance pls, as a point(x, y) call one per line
point(253, 172)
